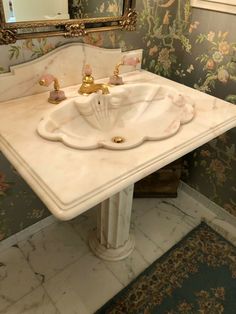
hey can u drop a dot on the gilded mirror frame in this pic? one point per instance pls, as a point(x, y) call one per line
point(11, 32)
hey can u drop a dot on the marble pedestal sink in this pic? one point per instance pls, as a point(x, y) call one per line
point(69, 180)
point(124, 119)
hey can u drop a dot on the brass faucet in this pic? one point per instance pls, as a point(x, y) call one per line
point(88, 86)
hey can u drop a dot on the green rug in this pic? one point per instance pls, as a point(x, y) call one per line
point(198, 275)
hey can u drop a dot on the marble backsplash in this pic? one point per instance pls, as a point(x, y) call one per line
point(25, 78)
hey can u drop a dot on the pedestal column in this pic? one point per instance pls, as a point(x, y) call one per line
point(112, 240)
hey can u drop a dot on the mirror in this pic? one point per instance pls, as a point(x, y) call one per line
point(21, 19)
point(34, 10)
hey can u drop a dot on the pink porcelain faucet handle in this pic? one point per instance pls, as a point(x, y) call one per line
point(87, 69)
point(133, 61)
point(46, 80)
point(57, 95)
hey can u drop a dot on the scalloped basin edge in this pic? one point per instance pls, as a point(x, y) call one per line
point(130, 114)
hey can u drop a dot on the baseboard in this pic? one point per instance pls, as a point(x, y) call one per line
point(215, 208)
point(224, 223)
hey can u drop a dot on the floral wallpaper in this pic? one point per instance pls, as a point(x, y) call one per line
point(76, 8)
point(192, 46)
point(19, 206)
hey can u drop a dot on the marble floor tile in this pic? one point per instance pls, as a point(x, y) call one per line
point(83, 287)
point(164, 225)
point(7, 243)
point(85, 224)
point(142, 205)
point(52, 249)
point(128, 269)
point(173, 205)
point(147, 248)
point(16, 277)
point(74, 279)
point(191, 207)
point(36, 302)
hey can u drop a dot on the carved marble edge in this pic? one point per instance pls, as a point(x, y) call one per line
point(110, 254)
point(69, 210)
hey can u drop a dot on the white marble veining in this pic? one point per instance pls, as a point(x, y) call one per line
point(26, 233)
point(46, 258)
point(65, 63)
point(112, 239)
point(134, 112)
point(73, 287)
point(129, 268)
point(72, 181)
point(85, 283)
point(202, 205)
point(16, 277)
point(93, 176)
point(198, 205)
point(148, 249)
point(37, 302)
point(157, 224)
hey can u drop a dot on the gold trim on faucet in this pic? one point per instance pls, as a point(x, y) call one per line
point(88, 86)
point(56, 96)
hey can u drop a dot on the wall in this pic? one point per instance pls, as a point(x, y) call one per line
point(194, 47)
point(212, 66)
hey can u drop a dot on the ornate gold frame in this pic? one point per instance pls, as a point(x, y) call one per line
point(11, 32)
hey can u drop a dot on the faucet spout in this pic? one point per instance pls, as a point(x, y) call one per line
point(88, 86)
point(87, 89)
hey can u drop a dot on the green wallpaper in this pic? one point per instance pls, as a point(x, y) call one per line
point(19, 206)
point(194, 47)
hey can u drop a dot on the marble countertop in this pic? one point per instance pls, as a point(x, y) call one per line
point(71, 181)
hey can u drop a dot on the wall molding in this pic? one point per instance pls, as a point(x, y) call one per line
point(216, 5)
point(224, 223)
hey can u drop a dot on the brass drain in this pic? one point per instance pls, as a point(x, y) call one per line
point(118, 139)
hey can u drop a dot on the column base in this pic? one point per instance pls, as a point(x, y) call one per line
point(111, 254)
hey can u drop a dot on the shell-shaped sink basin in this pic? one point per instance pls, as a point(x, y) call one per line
point(127, 117)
